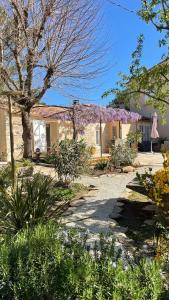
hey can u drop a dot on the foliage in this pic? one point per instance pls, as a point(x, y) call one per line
point(6, 172)
point(134, 137)
point(69, 158)
point(24, 163)
point(81, 115)
point(51, 263)
point(62, 193)
point(27, 205)
point(5, 176)
point(150, 83)
point(157, 187)
point(101, 164)
point(92, 150)
point(166, 160)
point(122, 155)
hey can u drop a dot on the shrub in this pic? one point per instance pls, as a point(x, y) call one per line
point(101, 165)
point(24, 163)
point(134, 137)
point(5, 176)
point(166, 159)
point(27, 205)
point(122, 155)
point(50, 263)
point(69, 158)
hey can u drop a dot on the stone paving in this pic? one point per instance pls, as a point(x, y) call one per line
point(96, 211)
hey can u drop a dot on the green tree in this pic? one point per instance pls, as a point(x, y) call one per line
point(152, 82)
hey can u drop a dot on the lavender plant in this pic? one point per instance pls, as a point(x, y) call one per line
point(52, 263)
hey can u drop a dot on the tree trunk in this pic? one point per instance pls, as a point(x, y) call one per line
point(74, 130)
point(74, 123)
point(27, 134)
point(101, 140)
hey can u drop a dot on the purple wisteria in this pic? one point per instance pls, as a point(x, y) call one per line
point(93, 114)
point(81, 115)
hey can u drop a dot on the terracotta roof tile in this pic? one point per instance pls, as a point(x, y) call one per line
point(47, 111)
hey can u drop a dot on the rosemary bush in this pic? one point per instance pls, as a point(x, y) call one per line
point(51, 263)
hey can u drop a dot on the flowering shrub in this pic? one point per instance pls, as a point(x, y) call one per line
point(157, 187)
point(166, 161)
point(69, 158)
point(122, 155)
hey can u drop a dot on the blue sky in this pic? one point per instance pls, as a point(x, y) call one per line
point(121, 29)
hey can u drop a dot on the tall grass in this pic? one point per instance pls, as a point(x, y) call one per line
point(50, 263)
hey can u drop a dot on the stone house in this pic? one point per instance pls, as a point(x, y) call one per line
point(46, 131)
point(147, 111)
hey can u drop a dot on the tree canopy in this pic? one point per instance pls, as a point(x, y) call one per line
point(152, 83)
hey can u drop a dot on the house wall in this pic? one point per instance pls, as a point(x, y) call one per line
point(126, 128)
point(3, 146)
point(60, 130)
point(147, 111)
point(17, 132)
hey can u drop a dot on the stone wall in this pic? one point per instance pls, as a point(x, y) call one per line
point(17, 132)
point(3, 146)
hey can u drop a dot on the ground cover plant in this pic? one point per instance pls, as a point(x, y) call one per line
point(51, 263)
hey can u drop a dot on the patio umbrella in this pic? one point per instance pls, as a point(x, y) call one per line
point(154, 132)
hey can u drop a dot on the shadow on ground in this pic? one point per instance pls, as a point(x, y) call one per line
point(133, 217)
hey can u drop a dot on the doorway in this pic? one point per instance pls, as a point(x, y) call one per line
point(48, 137)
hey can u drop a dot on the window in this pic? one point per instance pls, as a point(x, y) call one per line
point(114, 132)
point(146, 130)
point(98, 136)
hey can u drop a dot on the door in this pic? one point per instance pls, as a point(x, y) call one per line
point(39, 135)
point(48, 137)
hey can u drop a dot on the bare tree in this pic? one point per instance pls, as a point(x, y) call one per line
point(45, 43)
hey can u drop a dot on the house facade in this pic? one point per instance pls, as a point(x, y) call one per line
point(148, 111)
point(47, 131)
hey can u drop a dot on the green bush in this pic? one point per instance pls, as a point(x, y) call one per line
point(28, 204)
point(24, 163)
point(134, 137)
point(101, 165)
point(50, 263)
point(61, 193)
point(5, 176)
point(69, 158)
point(122, 155)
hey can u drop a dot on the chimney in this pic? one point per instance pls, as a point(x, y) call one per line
point(75, 102)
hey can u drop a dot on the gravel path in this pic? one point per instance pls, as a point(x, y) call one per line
point(93, 212)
